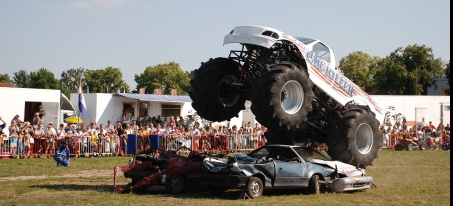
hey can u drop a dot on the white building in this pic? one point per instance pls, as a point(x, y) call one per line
point(24, 101)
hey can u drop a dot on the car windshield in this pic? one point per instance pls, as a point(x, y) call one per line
point(259, 153)
point(308, 154)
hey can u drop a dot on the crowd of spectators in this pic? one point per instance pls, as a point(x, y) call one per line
point(421, 130)
point(112, 138)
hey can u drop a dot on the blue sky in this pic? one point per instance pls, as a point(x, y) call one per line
point(134, 34)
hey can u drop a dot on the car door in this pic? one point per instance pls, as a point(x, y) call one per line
point(289, 170)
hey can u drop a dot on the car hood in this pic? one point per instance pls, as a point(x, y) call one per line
point(342, 167)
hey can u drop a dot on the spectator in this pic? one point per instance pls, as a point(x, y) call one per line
point(190, 122)
point(110, 128)
point(62, 155)
point(127, 117)
point(51, 136)
point(39, 135)
point(27, 143)
point(2, 125)
point(35, 118)
point(134, 127)
point(16, 119)
point(447, 127)
point(422, 123)
point(20, 144)
point(94, 142)
point(41, 112)
point(13, 136)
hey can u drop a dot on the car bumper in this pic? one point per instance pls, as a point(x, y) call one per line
point(351, 184)
point(223, 180)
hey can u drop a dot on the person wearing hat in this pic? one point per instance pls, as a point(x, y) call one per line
point(62, 155)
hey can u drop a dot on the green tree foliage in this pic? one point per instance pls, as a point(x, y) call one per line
point(21, 79)
point(4, 78)
point(106, 80)
point(165, 76)
point(70, 79)
point(408, 71)
point(447, 72)
point(360, 68)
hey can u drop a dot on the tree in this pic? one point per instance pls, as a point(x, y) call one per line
point(408, 71)
point(164, 76)
point(360, 68)
point(447, 72)
point(21, 79)
point(106, 80)
point(70, 79)
point(4, 78)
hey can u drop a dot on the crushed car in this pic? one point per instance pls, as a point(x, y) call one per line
point(173, 169)
point(278, 166)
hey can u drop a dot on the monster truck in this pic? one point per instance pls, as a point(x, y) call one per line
point(296, 91)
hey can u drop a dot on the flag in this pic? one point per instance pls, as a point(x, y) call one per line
point(82, 105)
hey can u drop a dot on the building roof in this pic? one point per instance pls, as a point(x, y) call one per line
point(157, 97)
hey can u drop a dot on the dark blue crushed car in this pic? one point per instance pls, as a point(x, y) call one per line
point(282, 167)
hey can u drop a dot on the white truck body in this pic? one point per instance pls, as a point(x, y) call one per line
point(320, 61)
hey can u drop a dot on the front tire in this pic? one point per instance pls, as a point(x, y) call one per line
point(314, 187)
point(356, 139)
point(254, 187)
point(213, 96)
point(282, 96)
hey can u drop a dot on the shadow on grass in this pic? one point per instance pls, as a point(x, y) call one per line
point(188, 193)
point(73, 187)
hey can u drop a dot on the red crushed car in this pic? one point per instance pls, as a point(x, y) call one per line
point(173, 169)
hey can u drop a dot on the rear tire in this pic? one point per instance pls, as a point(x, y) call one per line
point(175, 185)
point(357, 138)
point(212, 95)
point(282, 96)
point(254, 187)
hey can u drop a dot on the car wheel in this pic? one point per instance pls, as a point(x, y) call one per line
point(313, 186)
point(409, 147)
point(254, 188)
point(423, 146)
point(175, 185)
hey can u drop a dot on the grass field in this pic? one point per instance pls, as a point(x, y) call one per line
point(401, 177)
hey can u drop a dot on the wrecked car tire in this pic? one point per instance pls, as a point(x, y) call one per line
point(356, 138)
point(254, 187)
point(175, 184)
point(314, 186)
point(283, 96)
point(212, 93)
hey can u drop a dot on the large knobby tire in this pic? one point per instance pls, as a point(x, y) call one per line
point(282, 96)
point(175, 184)
point(314, 187)
point(254, 187)
point(212, 95)
point(356, 138)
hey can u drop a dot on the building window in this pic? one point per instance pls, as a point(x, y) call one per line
point(169, 110)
